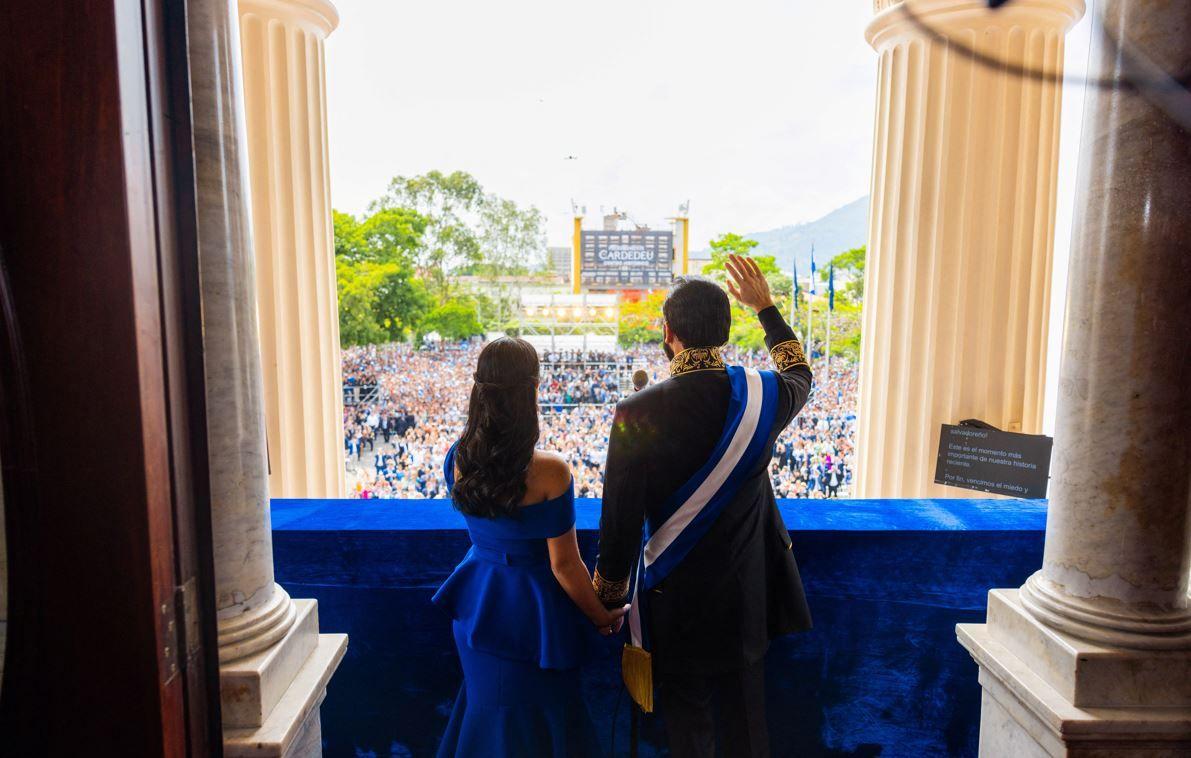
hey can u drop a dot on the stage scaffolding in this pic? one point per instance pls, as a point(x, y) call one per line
point(570, 322)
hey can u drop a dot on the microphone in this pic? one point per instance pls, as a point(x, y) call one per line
point(640, 379)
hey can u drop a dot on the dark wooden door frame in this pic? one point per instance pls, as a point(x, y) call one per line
point(103, 435)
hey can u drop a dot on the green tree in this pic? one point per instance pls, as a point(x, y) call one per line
point(641, 322)
point(357, 307)
point(722, 246)
point(780, 283)
point(450, 203)
point(850, 262)
point(378, 302)
point(845, 330)
point(401, 300)
point(746, 331)
point(512, 239)
point(497, 310)
point(397, 262)
point(390, 235)
point(379, 298)
point(394, 235)
point(349, 243)
point(455, 319)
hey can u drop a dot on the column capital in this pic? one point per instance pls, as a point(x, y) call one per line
point(283, 45)
point(318, 14)
point(964, 168)
point(917, 19)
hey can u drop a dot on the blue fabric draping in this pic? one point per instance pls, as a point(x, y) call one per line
point(881, 673)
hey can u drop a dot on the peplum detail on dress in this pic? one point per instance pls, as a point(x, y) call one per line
point(517, 612)
point(503, 594)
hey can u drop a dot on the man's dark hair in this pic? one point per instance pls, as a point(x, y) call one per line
point(698, 312)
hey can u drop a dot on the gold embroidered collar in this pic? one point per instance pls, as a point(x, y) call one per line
point(696, 359)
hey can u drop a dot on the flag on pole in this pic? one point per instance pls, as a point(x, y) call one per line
point(794, 300)
point(831, 287)
point(813, 290)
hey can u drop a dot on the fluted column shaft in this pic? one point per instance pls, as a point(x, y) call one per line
point(1118, 536)
point(285, 97)
point(253, 611)
point(961, 229)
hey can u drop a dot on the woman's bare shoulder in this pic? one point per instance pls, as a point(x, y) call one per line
point(550, 473)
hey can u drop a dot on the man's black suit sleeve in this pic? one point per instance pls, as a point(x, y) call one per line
point(623, 511)
point(786, 351)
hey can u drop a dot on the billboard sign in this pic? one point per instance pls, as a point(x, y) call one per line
point(626, 259)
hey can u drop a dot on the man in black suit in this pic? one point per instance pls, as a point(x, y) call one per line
point(711, 619)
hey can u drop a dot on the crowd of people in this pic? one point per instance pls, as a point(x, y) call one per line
point(405, 407)
point(575, 377)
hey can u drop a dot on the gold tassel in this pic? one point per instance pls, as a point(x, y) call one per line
point(637, 670)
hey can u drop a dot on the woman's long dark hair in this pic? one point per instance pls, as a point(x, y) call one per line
point(497, 446)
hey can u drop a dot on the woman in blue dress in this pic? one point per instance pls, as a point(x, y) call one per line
point(523, 608)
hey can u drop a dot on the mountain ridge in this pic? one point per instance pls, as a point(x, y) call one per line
point(842, 229)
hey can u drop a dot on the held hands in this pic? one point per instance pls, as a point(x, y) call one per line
point(747, 284)
point(614, 621)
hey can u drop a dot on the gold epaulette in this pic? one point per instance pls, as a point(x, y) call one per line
point(788, 354)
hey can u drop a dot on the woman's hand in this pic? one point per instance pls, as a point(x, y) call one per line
point(747, 284)
point(614, 621)
point(572, 574)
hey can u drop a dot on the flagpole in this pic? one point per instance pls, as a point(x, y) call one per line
point(828, 339)
point(810, 320)
point(830, 309)
point(794, 296)
point(810, 313)
point(794, 300)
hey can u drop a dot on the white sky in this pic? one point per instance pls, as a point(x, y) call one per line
point(758, 111)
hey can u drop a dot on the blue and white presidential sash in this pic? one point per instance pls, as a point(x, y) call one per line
point(688, 514)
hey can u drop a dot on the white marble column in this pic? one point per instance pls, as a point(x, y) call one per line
point(282, 43)
point(273, 663)
point(253, 610)
point(1093, 655)
point(961, 229)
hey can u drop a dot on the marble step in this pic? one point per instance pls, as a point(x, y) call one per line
point(1023, 716)
point(249, 688)
point(1086, 674)
point(292, 729)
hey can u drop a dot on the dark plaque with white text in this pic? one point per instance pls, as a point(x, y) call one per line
point(1007, 463)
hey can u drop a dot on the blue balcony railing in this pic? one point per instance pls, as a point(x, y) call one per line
point(880, 674)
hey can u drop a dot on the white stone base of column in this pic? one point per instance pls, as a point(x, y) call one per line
point(245, 634)
point(1047, 693)
point(271, 700)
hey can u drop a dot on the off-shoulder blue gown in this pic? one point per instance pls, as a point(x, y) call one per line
point(520, 639)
